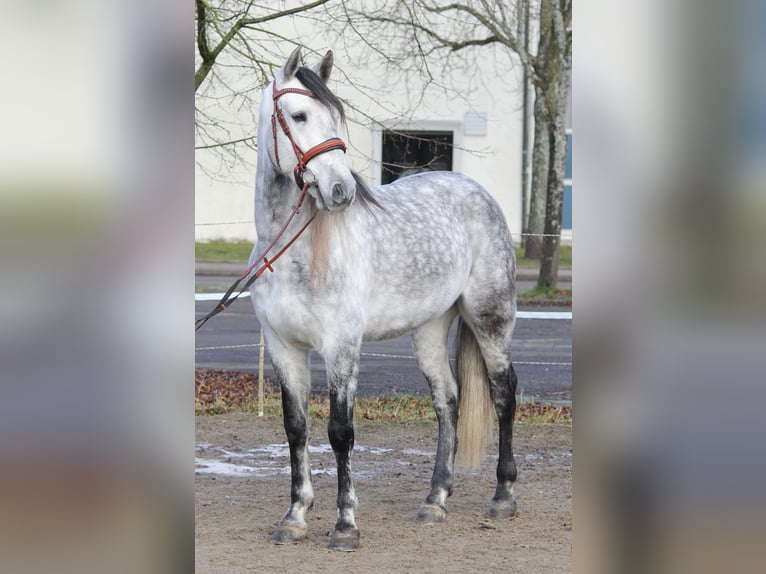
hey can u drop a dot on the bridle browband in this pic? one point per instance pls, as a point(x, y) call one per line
point(303, 157)
point(298, 172)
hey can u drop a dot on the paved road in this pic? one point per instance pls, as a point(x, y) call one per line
point(543, 354)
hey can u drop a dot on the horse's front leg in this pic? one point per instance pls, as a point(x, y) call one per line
point(342, 371)
point(292, 368)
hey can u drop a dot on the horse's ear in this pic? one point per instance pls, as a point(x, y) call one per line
point(324, 68)
point(288, 70)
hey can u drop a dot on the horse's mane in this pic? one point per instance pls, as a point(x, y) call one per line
point(364, 194)
point(331, 225)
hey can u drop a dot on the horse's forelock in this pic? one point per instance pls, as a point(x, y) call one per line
point(321, 92)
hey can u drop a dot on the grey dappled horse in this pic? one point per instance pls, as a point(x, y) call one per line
point(405, 257)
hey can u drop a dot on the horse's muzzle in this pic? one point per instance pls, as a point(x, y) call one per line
point(340, 196)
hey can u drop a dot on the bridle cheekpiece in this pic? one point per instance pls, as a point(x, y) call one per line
point(303, 157)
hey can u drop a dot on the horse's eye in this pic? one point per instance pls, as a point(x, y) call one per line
point(299, 117)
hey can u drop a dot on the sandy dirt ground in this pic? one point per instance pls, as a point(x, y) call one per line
point(243, 484)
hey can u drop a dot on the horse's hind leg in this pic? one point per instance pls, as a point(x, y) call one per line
point(503, 387)
point(292, 368)
point(492, 325)
point(431, 349)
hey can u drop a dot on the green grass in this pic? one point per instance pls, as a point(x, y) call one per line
point(223, 251)
point(240, 251)
point(400, 408)
point(565, 258)
point(538, 296)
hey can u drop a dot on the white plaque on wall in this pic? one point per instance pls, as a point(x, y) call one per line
point(475, 124)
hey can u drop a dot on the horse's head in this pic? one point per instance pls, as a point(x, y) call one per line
point(305, 118)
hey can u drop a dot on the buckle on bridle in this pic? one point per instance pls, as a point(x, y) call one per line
point(311, 179)
point(304, 177)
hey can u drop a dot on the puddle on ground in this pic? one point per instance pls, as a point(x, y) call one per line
point(368, 461)
point(274, 460)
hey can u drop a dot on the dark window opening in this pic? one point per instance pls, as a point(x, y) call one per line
point(406, 153)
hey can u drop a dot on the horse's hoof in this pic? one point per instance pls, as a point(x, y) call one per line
point(503, 509)
point(289, 534)
point(344, 540)
point(431, 514)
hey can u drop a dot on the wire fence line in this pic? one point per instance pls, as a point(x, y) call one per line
point(539, 315)
point(381, 355)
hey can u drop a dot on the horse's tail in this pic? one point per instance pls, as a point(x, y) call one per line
point(475, 415)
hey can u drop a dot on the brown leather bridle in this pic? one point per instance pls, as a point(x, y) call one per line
point(303, 157)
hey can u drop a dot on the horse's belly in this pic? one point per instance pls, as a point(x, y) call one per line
point(410, 296)
point(383, 331)
point(392, 317)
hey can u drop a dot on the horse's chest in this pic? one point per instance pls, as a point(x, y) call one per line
point(303, 314)
point(285, 305)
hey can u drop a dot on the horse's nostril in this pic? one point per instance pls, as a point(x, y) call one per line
point(337, 193)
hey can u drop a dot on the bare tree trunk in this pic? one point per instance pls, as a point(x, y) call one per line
point(549, 264)
point(558, 59)
point(540, 156)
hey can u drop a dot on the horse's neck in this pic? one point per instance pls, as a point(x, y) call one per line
point(275, 196)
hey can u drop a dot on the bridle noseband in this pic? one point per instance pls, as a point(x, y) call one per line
point(302, 157)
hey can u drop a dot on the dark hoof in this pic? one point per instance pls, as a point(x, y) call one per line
point(431, 514)
point(503, 509)
point(344, 540)
point(289, 534)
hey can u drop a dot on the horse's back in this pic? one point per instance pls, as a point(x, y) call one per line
point(443, 194)
point(431, 210)
point(423, 185)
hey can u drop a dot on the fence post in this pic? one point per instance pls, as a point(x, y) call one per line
point(260, 377)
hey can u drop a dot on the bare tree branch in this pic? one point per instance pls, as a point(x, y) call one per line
point(226, 143)
point(209, 55)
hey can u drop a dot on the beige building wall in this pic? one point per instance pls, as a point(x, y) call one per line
point(224, 209)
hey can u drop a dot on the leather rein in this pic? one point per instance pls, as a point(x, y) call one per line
point(299, 171)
